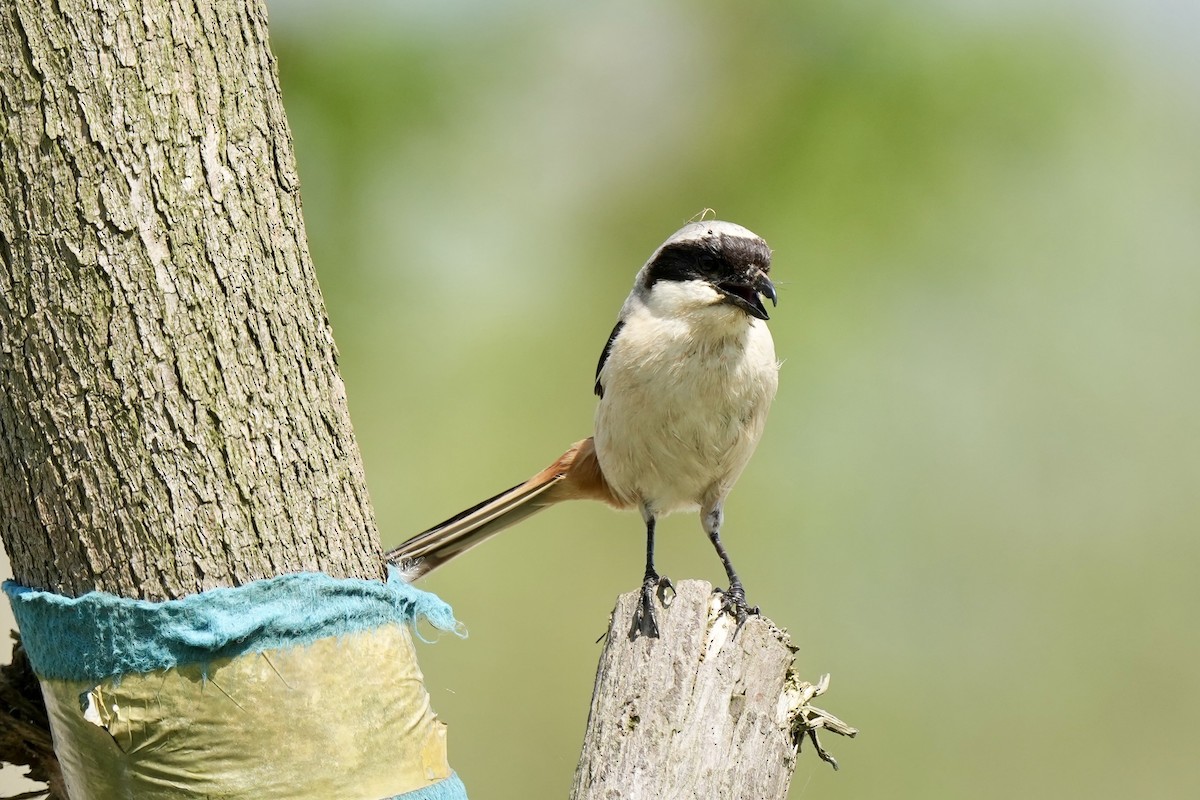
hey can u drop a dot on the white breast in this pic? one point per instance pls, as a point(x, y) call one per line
point(687, 386)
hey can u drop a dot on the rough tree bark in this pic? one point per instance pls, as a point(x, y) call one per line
point(699, 712)
point(172, 418)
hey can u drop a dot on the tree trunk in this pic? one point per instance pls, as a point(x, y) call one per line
point(699, 712)
point(172, 418)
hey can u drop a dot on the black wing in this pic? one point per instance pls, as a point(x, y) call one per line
point(604, 356)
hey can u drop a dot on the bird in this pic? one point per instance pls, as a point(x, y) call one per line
point(684, 384)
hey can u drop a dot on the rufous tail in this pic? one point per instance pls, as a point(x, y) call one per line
point(575, 475)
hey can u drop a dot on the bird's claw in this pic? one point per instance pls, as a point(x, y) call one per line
point(664, 585)
point(734, 604)
point(644, 621)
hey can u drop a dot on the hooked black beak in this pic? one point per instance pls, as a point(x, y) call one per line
point(748, 296)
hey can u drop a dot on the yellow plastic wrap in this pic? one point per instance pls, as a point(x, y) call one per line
point(347, 717)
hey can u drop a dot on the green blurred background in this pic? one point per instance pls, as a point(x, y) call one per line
point(978, 498)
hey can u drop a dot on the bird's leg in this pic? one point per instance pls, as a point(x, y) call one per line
point(644, 623)
point(735, 595)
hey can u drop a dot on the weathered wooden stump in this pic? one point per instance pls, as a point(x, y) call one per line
point(698, 712)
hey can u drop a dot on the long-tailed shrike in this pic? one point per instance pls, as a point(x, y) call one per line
point(684, 381)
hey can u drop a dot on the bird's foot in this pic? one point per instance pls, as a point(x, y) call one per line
point(734, 604)
point(644, 622)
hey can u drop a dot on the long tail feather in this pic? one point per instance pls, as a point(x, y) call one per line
point(428, 550)
point(575, 475)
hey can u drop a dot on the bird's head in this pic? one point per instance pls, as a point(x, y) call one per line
point(713, 263)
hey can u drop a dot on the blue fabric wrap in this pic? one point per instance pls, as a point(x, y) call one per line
point(449, 789)
point(99, 635)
